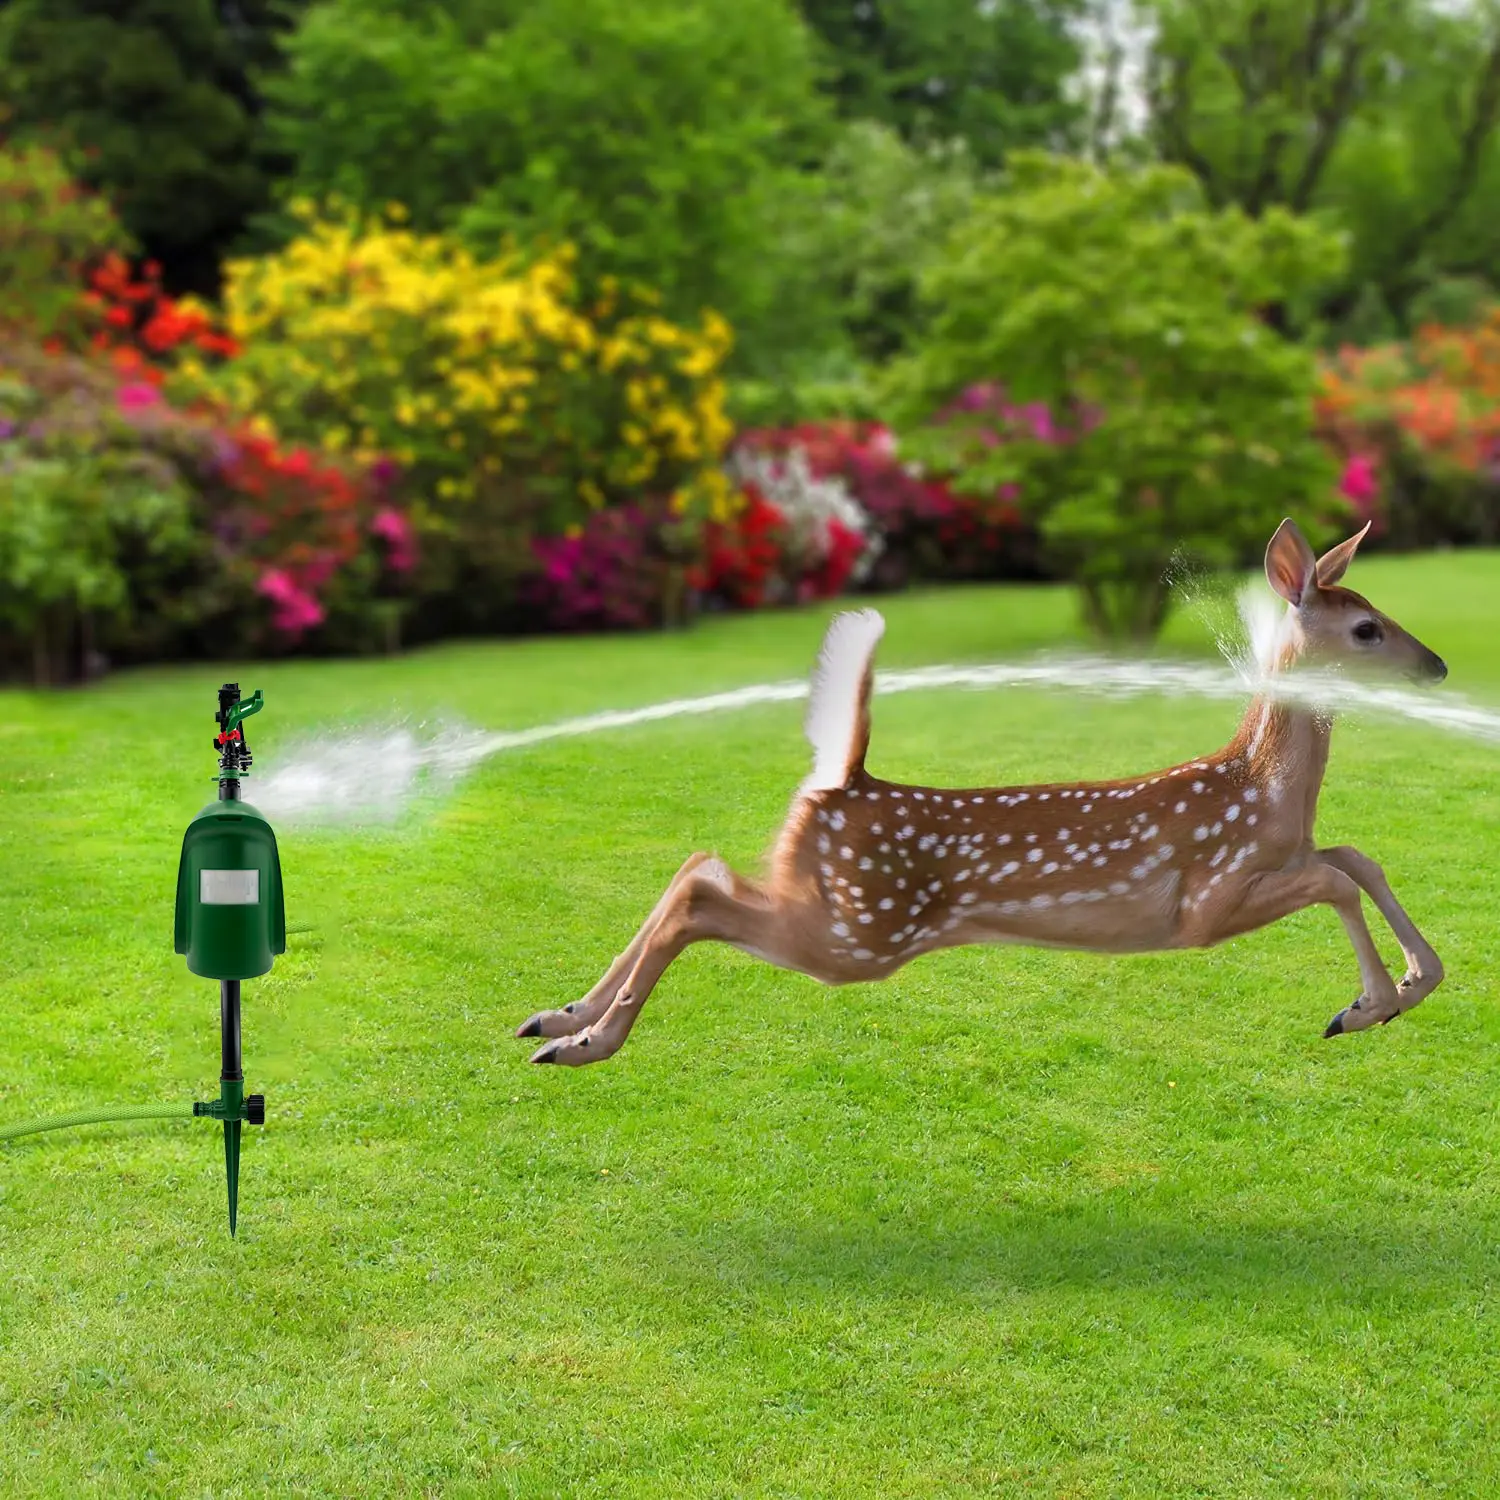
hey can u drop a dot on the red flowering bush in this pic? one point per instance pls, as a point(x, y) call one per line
point(132, 312)
point(742, 557)
point(1416, 426)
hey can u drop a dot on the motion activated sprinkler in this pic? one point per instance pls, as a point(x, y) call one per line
point(231, 923)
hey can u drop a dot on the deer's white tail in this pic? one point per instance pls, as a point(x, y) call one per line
point(838, 710)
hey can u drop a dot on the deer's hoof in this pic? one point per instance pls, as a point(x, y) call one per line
point(1335, 1026)
point(531, 1027)
point(547, 1054)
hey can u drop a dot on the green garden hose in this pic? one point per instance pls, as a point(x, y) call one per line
point(98, 1117)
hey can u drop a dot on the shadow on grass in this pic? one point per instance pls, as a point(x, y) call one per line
point(971, 1250)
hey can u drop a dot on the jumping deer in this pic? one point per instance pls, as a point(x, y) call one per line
point(868, 874)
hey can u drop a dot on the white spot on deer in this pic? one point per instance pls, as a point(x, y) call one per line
point(866, 863)
point(873, 796)
point(1251, 794)
point(846, 852)
point(1218, 829)
point(1050, 867)
point(1041, 903)
point(876, 829)
point(836, 821)
point(886, 903)
point(1199, 786)
point(906, 832)
point(1034, 856)
point(1251, 821)
point(1088, 807)
point(863, 953)
point(822, 815)
point(1031, 838)
point(1009, 908)
point(1231, 813)
point(968, 898)
point(1150, 834)
point(936, 886)
point(1119, 887)
point(978, 801)
point(1101, 861)
point(962, 876)
point(1044, 796)
point(1063, 833)
point(1166, 852)
point(866, 918)
point(823, 843)
point(1003, 840)
point(920, 796)
point(827, 871)
point(840, 929)
point(1220, 857)
point(1180, 808)
point(1200, 833)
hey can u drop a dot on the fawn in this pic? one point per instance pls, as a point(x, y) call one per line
point(867, 874)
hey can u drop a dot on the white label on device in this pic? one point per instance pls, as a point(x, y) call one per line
point(229, 887)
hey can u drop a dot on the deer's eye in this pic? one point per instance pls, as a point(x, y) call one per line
point(1367, 631)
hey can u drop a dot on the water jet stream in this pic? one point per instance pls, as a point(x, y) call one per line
point(312, 785)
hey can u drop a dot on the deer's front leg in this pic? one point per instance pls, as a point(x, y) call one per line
point(707, 901)
point(1238, 905)
point(1424, 969)
point(567, 1019)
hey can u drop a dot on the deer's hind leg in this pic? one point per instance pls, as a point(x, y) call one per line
point(707, 901)
point(574, 1016)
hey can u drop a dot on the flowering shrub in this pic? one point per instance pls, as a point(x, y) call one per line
point(926, 529)
point(619, 570)
point(370, 340)
point(1417, 427)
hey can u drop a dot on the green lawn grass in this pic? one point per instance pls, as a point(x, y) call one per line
point(1012, 1222)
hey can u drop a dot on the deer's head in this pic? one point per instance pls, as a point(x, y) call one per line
point(1335, 627)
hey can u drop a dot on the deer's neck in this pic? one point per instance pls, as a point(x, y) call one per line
point(1284, 746)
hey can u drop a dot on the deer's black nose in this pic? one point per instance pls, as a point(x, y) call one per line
point(1437, 668)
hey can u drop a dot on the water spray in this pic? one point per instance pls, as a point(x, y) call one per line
point(230, 925)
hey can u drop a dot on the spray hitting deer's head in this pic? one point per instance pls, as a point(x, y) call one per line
point(1331, 626)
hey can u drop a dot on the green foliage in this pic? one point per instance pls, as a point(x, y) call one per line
point(1174, 418)
point(994, 75)
point(49, 231)
point(85, 486)
point(157, 95)
point(884, 211)
point(1384, 116)
point(663, 139)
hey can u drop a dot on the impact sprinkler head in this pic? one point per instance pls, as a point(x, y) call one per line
point(231, 917)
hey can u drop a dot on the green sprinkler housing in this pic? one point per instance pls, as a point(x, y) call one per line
point(231, 916)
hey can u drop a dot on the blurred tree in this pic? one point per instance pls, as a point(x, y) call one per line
point(1385, 114)
point(664, 138)
point(994, 73)
point(885, 210)
point(1146, 408)
point(157, 98)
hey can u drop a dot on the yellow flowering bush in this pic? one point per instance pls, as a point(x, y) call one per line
point(491, 382)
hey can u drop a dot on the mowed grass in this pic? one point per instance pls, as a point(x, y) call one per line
point(1012, 1222)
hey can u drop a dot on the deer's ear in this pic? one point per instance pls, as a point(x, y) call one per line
point(1291, 568)
point(1335, 562)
